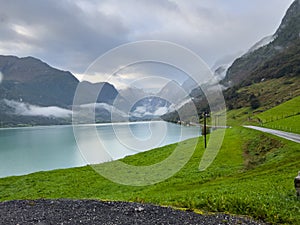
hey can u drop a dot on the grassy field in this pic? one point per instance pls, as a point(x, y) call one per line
point(252, 175)
point(283, 117)
point(289, 124)
point(238, 117)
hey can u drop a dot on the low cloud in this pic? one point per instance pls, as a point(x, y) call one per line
point(26, 109)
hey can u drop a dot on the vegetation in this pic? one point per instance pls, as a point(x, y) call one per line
point(288, 109)
point(289, 124)
point(278, 58)
point(253, 172)
point(283, 117)
point(256, 180)
point(270, 93)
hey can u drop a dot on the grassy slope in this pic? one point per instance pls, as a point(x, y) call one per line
point(252, 175)
point(283, 117)
point(289, 124)
point(270, 93)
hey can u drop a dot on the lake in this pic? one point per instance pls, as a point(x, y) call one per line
point(32, 149)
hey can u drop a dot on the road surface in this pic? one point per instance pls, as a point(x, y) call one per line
point(289, 136)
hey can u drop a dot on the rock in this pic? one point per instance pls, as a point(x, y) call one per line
point(297, 184)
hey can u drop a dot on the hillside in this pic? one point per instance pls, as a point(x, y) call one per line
point(266, 76)
point(274, 77)
point(286, 36)
point(30, 87)
point(284, 117)
point(33, 81)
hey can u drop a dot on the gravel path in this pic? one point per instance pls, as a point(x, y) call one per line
point(42, 212)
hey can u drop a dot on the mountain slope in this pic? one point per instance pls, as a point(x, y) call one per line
point(285, 37)
point(33, 81)
point(30, 88)
point(267, 75)
point(272, 83)
point(30, 80)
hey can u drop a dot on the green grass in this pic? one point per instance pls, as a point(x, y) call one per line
point(237, 117)
point(283, 117)
point(270, 93)
point(289, 124)
point(252, 175)
point(287, 109)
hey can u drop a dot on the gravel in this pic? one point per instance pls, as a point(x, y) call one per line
point(42, 212)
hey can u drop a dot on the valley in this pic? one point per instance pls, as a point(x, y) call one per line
point(251, 174)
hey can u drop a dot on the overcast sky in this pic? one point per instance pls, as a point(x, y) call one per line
point(71, 34)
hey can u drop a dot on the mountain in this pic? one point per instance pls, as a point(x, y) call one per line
point(24, 69)
point(263, 42)
point(269, 75)
point(173, 92)
point(103, 92)
point(284, 38)
point(32, 92)
point(150, 107)
point(189, 84)
point(273, 83)
point(30, 80)
point(33, 81)
point(128, 97)
point(170, 98)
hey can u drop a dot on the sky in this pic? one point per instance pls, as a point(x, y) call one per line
point(72, 34)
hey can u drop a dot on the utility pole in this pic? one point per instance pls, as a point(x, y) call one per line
point(204, 129)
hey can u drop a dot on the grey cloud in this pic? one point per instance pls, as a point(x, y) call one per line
point(71, 34)
point(65, 34)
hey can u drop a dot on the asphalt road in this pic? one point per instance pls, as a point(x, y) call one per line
point(289, 136)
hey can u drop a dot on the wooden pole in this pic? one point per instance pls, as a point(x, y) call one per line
point(204, 130)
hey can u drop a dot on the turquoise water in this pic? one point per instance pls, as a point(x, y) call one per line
point(27, 150)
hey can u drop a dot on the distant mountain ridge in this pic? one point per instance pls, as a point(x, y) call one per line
point(17, 69)
point(34, 93)
point(33, 81)
point(29, 84)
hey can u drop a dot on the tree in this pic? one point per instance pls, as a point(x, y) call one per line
point(254, 102)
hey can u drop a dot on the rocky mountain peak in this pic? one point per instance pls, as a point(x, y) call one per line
point(292, 13)
point(289, 29)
